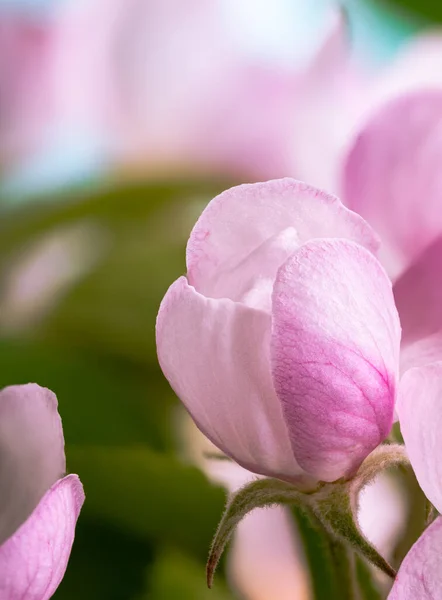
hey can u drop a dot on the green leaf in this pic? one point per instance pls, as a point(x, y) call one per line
point(105, 564)
point(316, 543)
point(150, 494)
point(115, 203)
point(343, 565)
point(426, 9)
point(368, 589)
point(176, 575)
point(113, 308)
point(101, 401)
point(258, 494)
point(336, 571)
point(328, 560)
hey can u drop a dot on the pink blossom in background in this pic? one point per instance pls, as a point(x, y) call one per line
point(161, 84)
point(24, 85)
point(338, 101)
point(56, 76)
point(40, 509)
point(392, 178)
point(283, 347)
point(191, 101)
point(383, 510)
point(165, 88)
point(331, 94)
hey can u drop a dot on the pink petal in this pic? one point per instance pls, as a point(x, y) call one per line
point(392, 176)
point(420, 574)
point(330, 100)
point(215, 354)
point(251, 281)
point(383, 513)
point(335, 348)
point(417, 66)
point(418, 295)
point(421, 352)
point(239, 220)
point(32, 452)
point(34, 560)
point(266, 560)
point(420, 416)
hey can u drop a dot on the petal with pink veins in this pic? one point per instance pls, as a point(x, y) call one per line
point(215, 354)
point(239, 220)
point(420, 574)
point(251, 281)
point(33, 561)
point(335, 350)
point(31, 450)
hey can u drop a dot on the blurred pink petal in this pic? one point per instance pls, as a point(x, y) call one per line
point(84, 37)
point(335, 348)
point(418, 66)
point(392, 173)
point(238, 221)
point(32, 451)
point(420, 416)
point(33, 561)
point(57, 75)
point(266, 559)
point(215, 355)
point(190, 99)
point(24, 83)
point(420, 574)
point(383, 513)
point(338, 95)
point(331, 95)
point(418, 296)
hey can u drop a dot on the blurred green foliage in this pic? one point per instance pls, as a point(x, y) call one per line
point(430, 10)
point(176, 575)
point(148, 519)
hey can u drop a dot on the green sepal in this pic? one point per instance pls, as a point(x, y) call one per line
point(258, 494)
point(336, 504)
point(333, 507)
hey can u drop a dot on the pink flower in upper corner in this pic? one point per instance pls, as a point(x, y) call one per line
point(420, 415)
point(57, 76)
point(338, 99)
point(283, 340)
point(40, 510)
point(392, 177)
point(192, 101)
